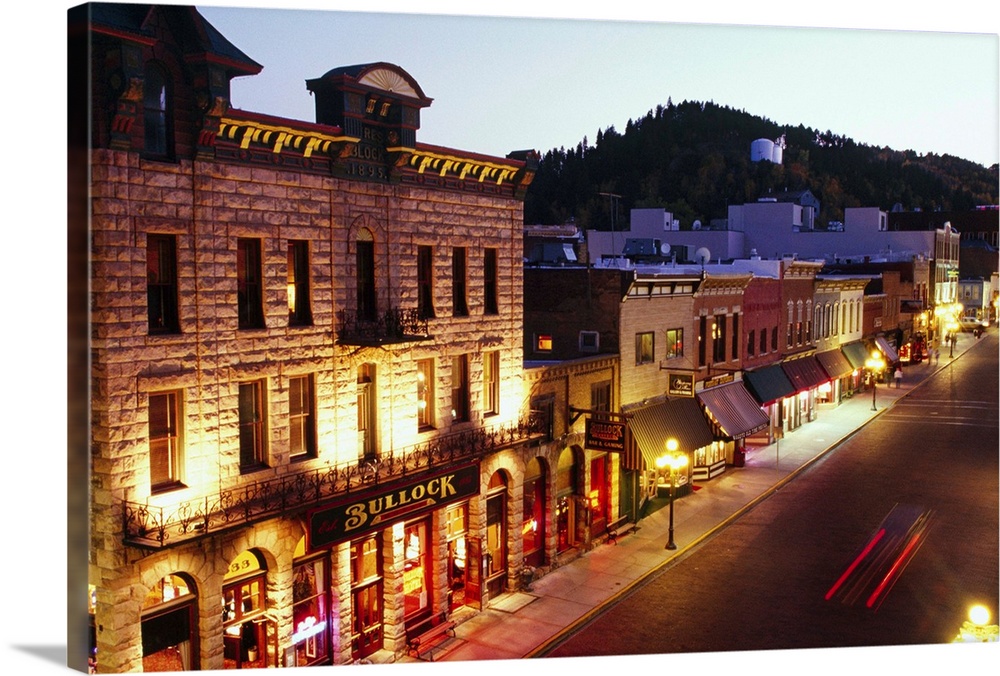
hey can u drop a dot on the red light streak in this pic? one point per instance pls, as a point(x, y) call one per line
point(850, 569)
point(903, 556)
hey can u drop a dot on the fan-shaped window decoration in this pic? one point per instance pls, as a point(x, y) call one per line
point(388, 80)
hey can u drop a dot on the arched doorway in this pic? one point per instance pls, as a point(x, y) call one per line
point(249, 638)
point(495, 556)
point(170, 625)
point(533, 528)
point(567, 480)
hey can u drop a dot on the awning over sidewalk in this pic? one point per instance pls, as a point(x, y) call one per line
point(768, 384)
point(888, 350)
point(856, 353)
point(734, 409)
point(680, 419)
point(805, 373)
point(835, 363)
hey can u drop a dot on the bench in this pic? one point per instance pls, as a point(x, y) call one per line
point(429, 635)
point(619, 527)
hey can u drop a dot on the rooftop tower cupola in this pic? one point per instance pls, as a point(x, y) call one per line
point(375, 102)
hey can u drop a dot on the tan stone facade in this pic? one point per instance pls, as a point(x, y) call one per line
point(289, 321)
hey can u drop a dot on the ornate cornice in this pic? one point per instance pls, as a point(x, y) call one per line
point(279, 138)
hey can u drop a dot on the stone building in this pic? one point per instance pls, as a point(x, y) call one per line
point(310, 435)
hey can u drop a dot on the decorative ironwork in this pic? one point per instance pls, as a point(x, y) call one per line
point(391, 326)
point(150, 527)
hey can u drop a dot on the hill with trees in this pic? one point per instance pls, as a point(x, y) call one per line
point(693, 159)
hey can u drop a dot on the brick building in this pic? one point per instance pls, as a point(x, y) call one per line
point(310, 432)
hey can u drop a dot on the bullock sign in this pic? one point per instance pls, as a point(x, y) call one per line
point(373, 510)
point(605, 435)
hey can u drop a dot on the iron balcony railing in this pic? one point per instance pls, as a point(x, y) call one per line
point(152, 527)
point(390, 326)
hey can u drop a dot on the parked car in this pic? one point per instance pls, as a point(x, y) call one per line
point(972, 324)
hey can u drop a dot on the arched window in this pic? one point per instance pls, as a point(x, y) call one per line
point(156, 112)
point(249, 639)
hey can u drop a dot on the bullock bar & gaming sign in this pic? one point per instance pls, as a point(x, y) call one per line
point(375, 510)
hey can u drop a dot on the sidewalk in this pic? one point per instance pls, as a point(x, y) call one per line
point(524, 623)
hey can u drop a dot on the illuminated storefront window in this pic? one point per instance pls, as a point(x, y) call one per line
point(456, 527)
point(533, 529)
point(416, 587)
point(309, 613)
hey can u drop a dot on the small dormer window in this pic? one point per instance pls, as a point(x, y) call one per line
point(156, 120)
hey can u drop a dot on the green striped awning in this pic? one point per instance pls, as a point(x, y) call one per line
point(680, 419)
point(856, 353)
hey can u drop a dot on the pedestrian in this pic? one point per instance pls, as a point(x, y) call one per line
point(937, 356)
point(898, 376)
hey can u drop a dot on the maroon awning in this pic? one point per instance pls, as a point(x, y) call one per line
point(805, 373)
point(734, 409)
point(835, 363)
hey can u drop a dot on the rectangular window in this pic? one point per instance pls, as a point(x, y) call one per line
point(299, 306)
point(600, 396)
point(156, 113)
point(644, 353)
point(248, 284)
point(491, 383)
point(774, 339)
point(161, 283)
point(253, 428)
point(763, 341)
point(491, 281)
point(460, 388)
point(425, 394)
point(365, 262)
point(367, 413)
point(301, 417)
point(736, 338)
point(675, 343)
point(425, 281)
point(459, 297)
point(543, 342)
point(164, 441)
point(702, 340)
point(590, 341)
point(751, 342)
point(416, 570)
point(719, 339)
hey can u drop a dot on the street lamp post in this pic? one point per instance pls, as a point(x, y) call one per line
point(676, 461)
point(875, 364)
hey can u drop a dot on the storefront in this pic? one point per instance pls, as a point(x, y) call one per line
point(772, 389)
point(856, 354)
point(806, 376)
point(887, 349)
point(401, 516)
point(735, 415)
point(839, 370)
point(249, 635)
point(683, 420)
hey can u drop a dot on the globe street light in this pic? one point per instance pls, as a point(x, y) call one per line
point(874, 364)
point(977, 628)
point(676, 461)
